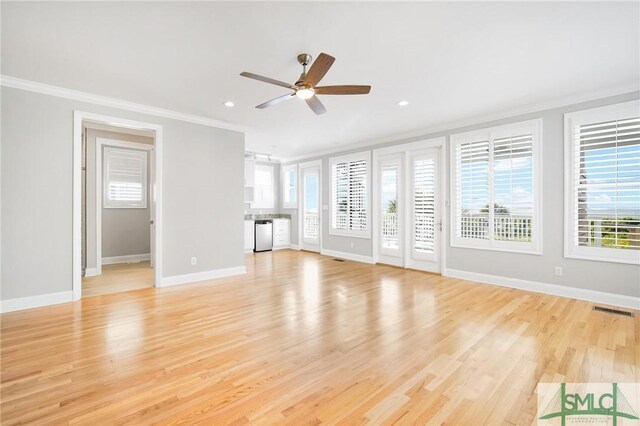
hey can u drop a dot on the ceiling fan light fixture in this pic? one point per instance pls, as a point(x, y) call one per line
point(306, 93)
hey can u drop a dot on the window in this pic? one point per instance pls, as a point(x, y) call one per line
point(495, 188)
point(264, 187)
point(350, 195)
point(289, 187)
point(124, 178)
point(602, 183)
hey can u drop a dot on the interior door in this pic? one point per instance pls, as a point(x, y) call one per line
point(423, 195)
point(390, 205)
point(152, 207)
point(310, 209)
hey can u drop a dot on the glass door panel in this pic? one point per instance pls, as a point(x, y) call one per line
point(311, 206)
point(389, 207)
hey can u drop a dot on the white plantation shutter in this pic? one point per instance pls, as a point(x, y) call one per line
point(340, 176)
point(424, 209)
point(125, 178)
point(349, 189)
point(264, 187)
point(472, 189)
point(358, 195)
point(605, 183)
point(496, 188)
point(513, 188)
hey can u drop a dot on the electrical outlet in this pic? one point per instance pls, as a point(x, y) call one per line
point(558, 271)
point(194, 261)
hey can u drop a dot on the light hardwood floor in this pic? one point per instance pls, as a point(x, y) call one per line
point(117, 278)
point(304, 339)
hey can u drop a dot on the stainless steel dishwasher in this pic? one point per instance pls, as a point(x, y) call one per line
point(263, 235)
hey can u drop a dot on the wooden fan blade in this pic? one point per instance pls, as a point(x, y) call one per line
point(319, 68)
point(276, 101)
point(267, 80)
point(343, 90)
point(315, 104)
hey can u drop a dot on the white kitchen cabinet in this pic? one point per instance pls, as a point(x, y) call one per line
point(281, 233)
point(249, 230)
point(249, 173)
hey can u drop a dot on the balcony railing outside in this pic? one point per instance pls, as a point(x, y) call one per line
point(311, 225)
point(599, 231)
point(506, 227)
point(474, 227)
point(390, 230)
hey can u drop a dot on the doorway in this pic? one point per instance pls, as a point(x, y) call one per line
point(117, 210)
point(407, 212)
point(310, 206)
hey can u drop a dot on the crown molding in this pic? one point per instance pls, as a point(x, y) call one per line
point(61, 92)
point(431, 131)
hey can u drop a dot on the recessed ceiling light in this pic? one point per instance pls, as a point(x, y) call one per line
point(403, 103)
point(229, 104)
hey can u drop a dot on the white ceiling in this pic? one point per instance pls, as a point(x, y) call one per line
point(451, 61)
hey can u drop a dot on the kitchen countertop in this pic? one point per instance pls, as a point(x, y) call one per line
point(266, 216)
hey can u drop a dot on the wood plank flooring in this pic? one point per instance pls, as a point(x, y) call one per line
point(304, 339)
point(117, 278)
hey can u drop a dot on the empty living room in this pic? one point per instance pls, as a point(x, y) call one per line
point(320, 212)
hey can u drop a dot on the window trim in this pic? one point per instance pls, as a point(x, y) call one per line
point(106, 177)
point(363, 155)
point(571, 120)
point(261, 204)
point(291, 204)
point(535, 246)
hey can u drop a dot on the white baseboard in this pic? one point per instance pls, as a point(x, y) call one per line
point(348, 256)
point(552, 289)
point(90, 272)
point(294, 247)
point(202, 276)
point(38, 301)
point(125, 259)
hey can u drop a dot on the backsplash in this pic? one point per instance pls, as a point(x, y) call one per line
point(267, 216)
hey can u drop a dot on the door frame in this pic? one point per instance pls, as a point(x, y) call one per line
point(101, 142)
point(79, 117)
point(301, 166)
point(405, 150)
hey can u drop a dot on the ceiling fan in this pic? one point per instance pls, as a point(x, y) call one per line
point(305, 88)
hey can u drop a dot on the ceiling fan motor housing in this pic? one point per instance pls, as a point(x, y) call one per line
point(304, 59)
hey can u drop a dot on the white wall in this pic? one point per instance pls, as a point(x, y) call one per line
point(202, 193)
point(583, 274)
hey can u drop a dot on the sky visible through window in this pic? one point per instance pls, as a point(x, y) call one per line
point(613, 181)
point(389, 187)
point(311, 193)
point(516, 195)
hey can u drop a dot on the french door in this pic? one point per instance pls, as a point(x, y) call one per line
point(310, 208)
point(409, 223)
